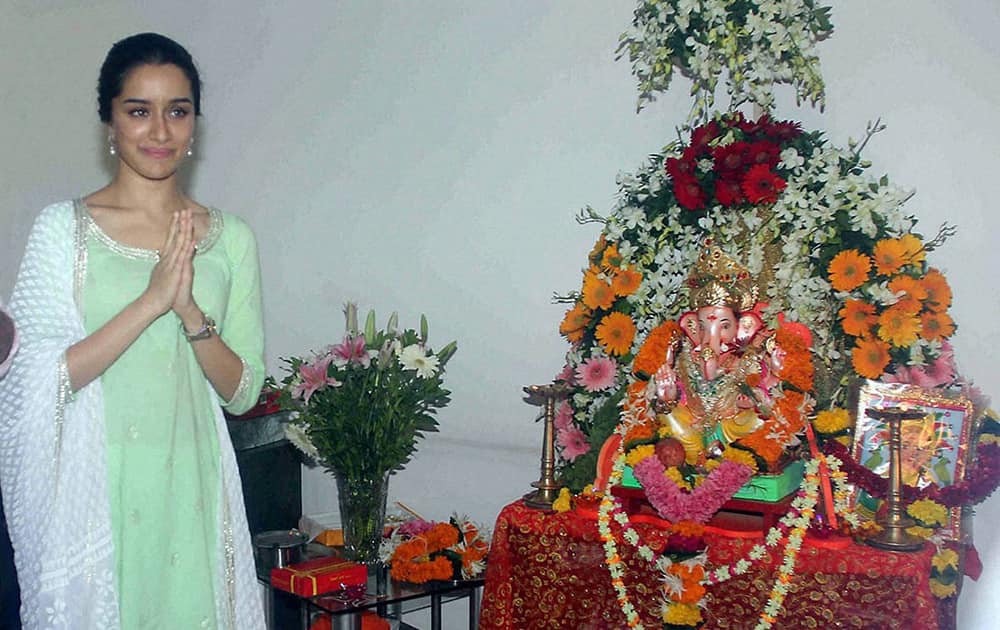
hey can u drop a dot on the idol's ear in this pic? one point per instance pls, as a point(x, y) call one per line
point(750, 324)
point(689, 324)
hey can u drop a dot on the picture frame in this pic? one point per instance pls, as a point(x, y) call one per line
point(935, 448)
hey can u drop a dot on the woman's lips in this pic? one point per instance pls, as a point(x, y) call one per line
point(158, 154)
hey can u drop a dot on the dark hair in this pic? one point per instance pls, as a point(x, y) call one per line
point(139, 50)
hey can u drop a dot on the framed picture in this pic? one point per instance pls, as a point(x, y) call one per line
point(935, 448)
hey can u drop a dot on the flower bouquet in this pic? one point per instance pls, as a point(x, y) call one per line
point(362, 404)
point(419, 551)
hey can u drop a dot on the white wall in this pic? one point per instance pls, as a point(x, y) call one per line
point(429, 157)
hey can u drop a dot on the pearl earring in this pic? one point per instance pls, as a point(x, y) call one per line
point(112, 151)
point(190, 150)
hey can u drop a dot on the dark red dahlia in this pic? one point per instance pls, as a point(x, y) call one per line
point(689, 193)
point(761, 185)
point(702, 136)
point(764, 152)
point(732, 158)
point(754, 127)
point(729, 192)
point(783, 131)
point(681, 168)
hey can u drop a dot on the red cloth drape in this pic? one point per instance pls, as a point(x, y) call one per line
point(547, 570)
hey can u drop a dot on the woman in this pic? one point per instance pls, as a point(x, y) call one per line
point(139, 315)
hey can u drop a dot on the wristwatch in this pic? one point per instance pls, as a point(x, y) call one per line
point(207, 329)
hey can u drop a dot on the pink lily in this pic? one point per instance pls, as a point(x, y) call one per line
point(351, 350)
point(313, 377)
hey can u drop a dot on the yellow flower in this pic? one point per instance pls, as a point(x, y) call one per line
point(682, 615)
point(711, 465)
point(832, 420)
point(941, 591)
point(740, 456)
point(989, 438)
point(588, 490)
point(563, 502)
point(928, 512)
point(920, 532)
point(944, 559)
point(675, 475)
point(898, 325)
point(639, 453)
point(843, 439)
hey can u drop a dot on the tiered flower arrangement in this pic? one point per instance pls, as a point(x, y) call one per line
point(787, 204)
point(840, 263)
point(419, 551)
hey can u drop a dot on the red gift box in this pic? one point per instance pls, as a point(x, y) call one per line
point(321, 575)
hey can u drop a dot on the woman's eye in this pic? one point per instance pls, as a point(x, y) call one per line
point(138, 112)
point(178, 112)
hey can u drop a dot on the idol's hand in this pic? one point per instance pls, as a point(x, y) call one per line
point(166, 277)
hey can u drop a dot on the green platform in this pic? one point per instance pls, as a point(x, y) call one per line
point(768, 488)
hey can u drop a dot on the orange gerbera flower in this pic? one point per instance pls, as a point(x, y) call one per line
point(914, 248)
point(611, 260)
point(912, 289)
point(889, 255)
point(626, 281)
point(615, 333)
point(597, 293)
point(869, 357)
point(899, 325)
point(936, 326)
point(849, 270)
point(576, 321)
point(938, 292)
point(858, 318)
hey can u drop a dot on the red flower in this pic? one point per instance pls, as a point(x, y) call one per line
point(702, 136)
point(751, 127)
point(689, 193)
point(783, 131)
point(736, 119)
point(761, 185)
point(681, 168)
point(728, 192)
point(764, 152)
point(732, 158)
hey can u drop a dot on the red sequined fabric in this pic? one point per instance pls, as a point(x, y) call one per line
point(547, 570)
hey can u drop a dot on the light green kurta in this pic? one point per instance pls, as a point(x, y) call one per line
point(162, 444)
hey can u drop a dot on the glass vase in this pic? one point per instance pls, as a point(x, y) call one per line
point(362, 514)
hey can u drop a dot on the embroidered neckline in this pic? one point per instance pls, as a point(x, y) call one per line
point(141, 253)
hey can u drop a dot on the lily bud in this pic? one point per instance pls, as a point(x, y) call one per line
point(390, 328)
point(447, 352)
point(351, 315)
point(423, 328)
point(370, 327)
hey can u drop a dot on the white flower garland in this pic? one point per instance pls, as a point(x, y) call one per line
point(796, 522)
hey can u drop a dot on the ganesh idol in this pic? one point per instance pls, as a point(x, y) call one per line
point(717, 381)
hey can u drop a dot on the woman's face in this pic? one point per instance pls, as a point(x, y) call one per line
point(152, 120)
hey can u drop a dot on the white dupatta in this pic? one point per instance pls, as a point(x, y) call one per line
point(53, 461)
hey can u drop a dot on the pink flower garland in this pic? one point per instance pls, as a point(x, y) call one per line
point(675, 505)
